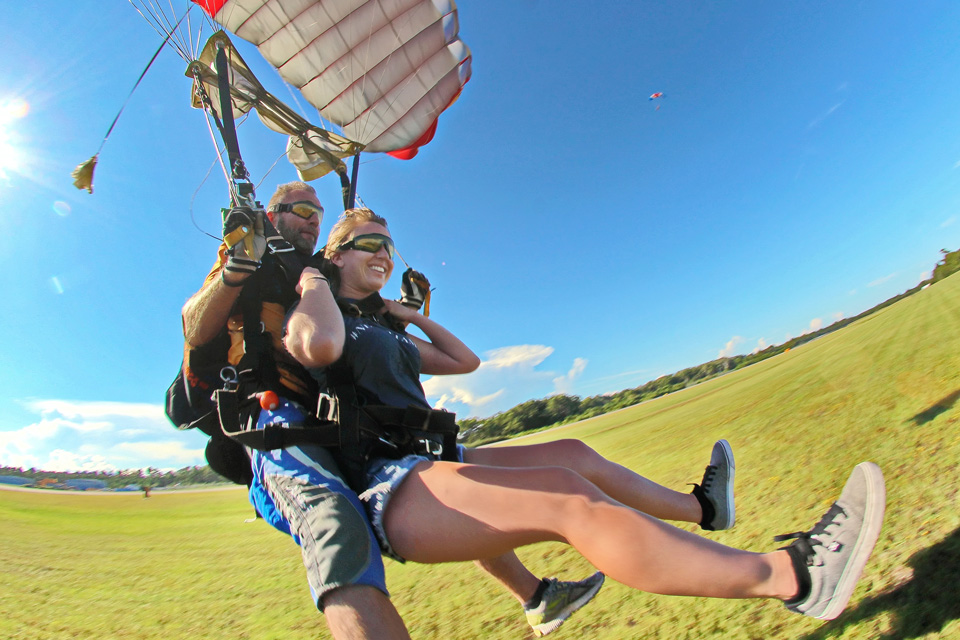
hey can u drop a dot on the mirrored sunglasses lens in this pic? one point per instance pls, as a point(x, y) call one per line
point(372, 245)
point(305, 210)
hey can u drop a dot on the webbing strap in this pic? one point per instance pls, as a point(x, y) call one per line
point(228, 132)
point(272, 436)
point(413, 417)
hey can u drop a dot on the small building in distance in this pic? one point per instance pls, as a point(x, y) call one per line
point(86, 484)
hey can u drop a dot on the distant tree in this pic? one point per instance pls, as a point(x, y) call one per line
point(948, 265)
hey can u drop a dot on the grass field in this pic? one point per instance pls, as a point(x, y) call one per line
point(886, 389)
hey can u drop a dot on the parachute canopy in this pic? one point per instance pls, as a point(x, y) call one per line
point(313, 151)
point(383, 70)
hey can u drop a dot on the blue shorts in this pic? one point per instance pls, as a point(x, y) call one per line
point(301, 492)
point(384, 475)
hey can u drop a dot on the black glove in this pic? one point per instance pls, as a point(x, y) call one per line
point(244, 237)
point(415, 291)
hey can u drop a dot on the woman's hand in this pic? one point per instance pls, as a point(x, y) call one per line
point(404, 314)
point(307, 276)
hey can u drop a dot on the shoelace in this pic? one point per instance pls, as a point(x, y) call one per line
point(708, 475)
point(806, 540)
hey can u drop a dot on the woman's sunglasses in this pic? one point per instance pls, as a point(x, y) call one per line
point(371, 243)
point(303, 208)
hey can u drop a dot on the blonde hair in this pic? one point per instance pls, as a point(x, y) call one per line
point(349, 220)
point(284, 189)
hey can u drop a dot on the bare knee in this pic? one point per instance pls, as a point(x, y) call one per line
point(577, 456)
point(574, 497)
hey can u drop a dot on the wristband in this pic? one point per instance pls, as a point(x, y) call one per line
point(232, 285)
point(318, 278)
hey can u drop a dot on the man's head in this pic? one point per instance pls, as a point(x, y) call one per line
point(296, 212)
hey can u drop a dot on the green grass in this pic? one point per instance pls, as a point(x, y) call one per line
point(886, 389)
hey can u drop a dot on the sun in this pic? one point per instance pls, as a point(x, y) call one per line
point(11, 157)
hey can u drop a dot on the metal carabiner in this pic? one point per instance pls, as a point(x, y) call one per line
point(230, 377)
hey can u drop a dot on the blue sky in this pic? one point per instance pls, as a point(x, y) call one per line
point(803, 165)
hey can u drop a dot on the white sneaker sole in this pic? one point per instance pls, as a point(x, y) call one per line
point(872, 523)
point(548, 627)
point(731, 507)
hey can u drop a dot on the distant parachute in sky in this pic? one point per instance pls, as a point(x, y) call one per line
point(383, 70)
point(655, 96)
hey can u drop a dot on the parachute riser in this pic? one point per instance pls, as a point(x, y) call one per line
point(350, 197)
point(241, 190)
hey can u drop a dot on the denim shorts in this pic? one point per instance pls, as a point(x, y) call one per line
point(384, 475)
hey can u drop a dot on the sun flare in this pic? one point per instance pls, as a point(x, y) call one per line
point(11, 157)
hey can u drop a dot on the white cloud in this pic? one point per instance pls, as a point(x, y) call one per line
point(819, 119)
point(880, 281)
point(506, 377)
point(816, 324)
point(524, 355)
point(730, 347)
point(949, 221)
point(459, 395)
point(837, 316)
point(74, 435)
point(564, 383)
point(85, 409)
point(761, 345)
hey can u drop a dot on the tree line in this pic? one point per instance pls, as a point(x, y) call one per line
point(142, 478)
point(556, 410)
point(529, 416)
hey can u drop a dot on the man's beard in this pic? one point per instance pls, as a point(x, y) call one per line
point(301, 244)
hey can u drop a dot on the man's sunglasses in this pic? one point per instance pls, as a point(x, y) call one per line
point(371, 243)
point(303, 208)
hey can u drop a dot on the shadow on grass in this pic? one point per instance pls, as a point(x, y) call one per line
point(924, 604)
point(944, 404)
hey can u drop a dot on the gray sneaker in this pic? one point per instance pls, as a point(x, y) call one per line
point(830, 557)
point(715, 491)
point(559, 601)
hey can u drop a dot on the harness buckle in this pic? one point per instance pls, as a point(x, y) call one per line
point(432, 447)
point(327, 407)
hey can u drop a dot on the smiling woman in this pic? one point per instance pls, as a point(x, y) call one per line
point(11, 158)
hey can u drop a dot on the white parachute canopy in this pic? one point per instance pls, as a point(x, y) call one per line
point(383, 70)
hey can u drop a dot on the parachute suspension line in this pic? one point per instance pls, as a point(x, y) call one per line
point(135, 85)
point(83, 174)
point(161, 23)
point(270, 170)
point(193, 219)
point(207, 114)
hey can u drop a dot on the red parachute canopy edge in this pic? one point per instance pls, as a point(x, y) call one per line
point(383, 70)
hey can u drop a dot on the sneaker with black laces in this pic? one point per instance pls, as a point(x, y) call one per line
point(558, 600)
point(829, 558)
point(715, 491)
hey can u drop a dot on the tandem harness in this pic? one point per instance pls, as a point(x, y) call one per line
point(338, 420)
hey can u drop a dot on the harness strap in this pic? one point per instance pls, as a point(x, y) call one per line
point(415, 418)
point(272, 436)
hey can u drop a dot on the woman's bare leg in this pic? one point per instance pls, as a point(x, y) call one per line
point(445, 512)
point(618, 482)
point(510, 572)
